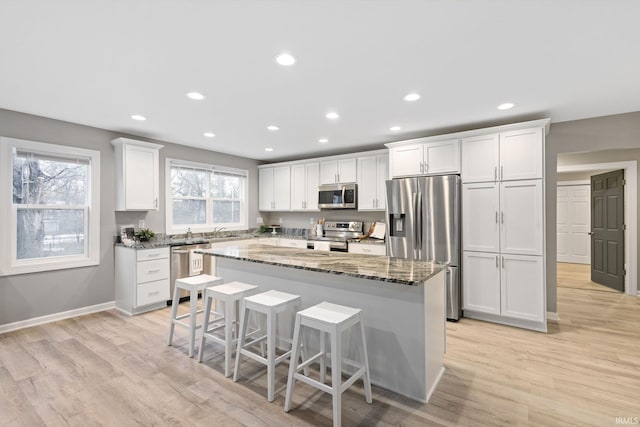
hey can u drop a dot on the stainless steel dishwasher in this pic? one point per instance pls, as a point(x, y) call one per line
point(180, 263)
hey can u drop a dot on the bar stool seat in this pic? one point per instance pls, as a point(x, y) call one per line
point(270, 303)
point(229, 294)
point(193, 285)
point(329, 319)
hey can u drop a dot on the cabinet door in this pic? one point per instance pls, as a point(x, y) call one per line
point(381, 181)
point(329, 172)
point(480, 158)
point(406, 160)
point(522, 287)
point(282, 188)
point(521, 217)
point(312, 182)
point(442, 157)
point(481, 282)
point(367, 182)
point(480, 216)
point(141, 178)
point(521, 154)
point(298, 187)
point(265, 189)
point(347, 170)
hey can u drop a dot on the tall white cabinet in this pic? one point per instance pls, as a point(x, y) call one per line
point(503, 227)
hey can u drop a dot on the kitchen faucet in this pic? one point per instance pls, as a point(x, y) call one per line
point(217, 230)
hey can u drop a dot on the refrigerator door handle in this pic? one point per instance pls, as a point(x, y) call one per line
point(344, 188)
point(420, 222)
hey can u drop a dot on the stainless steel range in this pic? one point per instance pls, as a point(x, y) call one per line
point(337, 234)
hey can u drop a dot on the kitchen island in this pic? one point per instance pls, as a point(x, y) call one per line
point(402, 301)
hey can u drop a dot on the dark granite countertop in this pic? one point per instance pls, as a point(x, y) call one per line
point(373, 267)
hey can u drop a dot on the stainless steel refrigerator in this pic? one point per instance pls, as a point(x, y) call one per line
point(423, 215)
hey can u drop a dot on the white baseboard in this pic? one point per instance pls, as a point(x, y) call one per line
point(8, 327)
point(552, 316)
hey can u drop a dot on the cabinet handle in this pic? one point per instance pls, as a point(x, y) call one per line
point(421, 167)
point(501, 173)
point(502, 217)
point(495, 173)
point(496, 217)
point(502, 262)
point(497, 261)
point(157, 270)
point(152, 255)
point(153, 293)
point(426, 167)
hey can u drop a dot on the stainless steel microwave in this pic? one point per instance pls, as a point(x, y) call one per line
point(338, 196)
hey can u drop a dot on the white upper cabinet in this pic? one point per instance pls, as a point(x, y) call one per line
point(425, 158)
point(338, 171)
point(505, 156)
point(304, 186)
point(373, 171)
point(521, 154)
point(137, 175)
point(480, 158)
point(274, 188)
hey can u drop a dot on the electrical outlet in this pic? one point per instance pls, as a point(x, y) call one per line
point(280, 220)
point(312, 221)
point(141, 223)
point(259, 220)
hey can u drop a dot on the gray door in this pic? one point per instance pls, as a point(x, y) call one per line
point(607, 229)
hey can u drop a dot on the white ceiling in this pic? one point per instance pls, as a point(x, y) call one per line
point(97, 62)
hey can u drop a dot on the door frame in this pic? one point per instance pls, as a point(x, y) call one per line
point(570, 184)
point(630, 214)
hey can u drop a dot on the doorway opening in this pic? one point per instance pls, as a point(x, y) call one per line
point(630, 216)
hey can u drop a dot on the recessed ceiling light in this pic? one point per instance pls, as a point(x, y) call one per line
point(197, 96)
point(268, 149)
point(411, 97)
point(285, 59)
point(394, 128)
point(323, 140)
point(138, 117)
point(209, 134)
point(505, 106)
point(273, 127)
point(332, 115)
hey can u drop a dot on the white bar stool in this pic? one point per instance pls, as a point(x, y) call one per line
point(329, 319)
point(228, 294)
point(193, 285)
point(270, 303)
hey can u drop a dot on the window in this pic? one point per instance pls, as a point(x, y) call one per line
point(52, 217)
point(205, 197)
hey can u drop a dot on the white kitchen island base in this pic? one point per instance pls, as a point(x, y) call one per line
point(404, 324)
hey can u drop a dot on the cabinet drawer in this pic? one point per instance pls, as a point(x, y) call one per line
point(293, 243)
point(368, 249)
point(148, 271)
point(151, 292)
point(155, 253)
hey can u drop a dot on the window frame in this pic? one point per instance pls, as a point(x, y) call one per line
point(209, 225)
point(9, 264)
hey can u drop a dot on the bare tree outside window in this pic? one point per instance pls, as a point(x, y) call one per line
point(51, 199)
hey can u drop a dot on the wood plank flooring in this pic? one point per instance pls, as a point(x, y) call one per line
point(107, 369)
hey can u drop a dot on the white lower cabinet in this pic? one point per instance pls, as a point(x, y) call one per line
point(367, 249)
point(142, 279)
point(504, 285)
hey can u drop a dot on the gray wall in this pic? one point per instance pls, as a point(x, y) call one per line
point(589, 139)
point(37, 294)
point(302, 219)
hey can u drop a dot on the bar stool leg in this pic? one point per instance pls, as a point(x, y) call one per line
point(323, 361)
point(366, 378)
point(193, 300)
point(205, 323)
point(241, 338)
point(228, 338)
point(174, 313)
point(336, 377)
point(293, 364)
point(271, 356)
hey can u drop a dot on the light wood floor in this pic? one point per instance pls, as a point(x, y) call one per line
point(109, 369)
